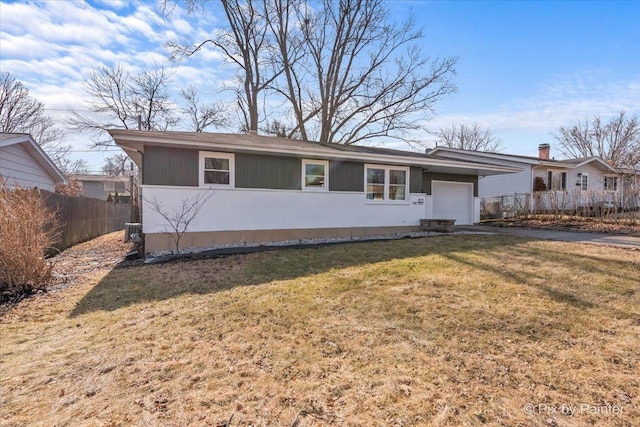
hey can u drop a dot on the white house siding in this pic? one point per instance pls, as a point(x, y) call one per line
point(258, 209)
point(596, 176)
point(497, 185)
point(18, 168)
point(501, 185)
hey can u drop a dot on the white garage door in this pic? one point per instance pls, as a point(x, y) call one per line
point(453, 200)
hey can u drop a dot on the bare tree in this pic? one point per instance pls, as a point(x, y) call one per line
point(116, 165)
point(465, 137)
point(278, 128)
point(178, 219)
point(73, 167)
point(616, 141)
point(122, 100)
point(245, 44)
point(201, 115)
point(22, 113)
point(371, 79)
point(343, 71)
point(285, 19)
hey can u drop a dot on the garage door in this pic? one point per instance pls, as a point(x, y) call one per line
point(453, 200)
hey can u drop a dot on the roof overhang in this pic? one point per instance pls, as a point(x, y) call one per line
point(134, 143)
point(487, 155)
point(604, 165)
point(33, 148)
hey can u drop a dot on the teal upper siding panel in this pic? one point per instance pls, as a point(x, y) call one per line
point(427, 178)
point(170, 166)
point(264, 171)
point(346, 176)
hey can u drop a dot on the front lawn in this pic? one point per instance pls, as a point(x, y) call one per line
point(448, 330)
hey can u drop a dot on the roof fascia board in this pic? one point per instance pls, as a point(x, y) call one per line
point(599, 160)
point(508, 157)
point(320, 151)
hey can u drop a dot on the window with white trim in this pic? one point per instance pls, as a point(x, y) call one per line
point(315, 174)
point(611, 183)
point(216, 169)
point(556, 181)
point(584, 181)
point(386, 183)
point(109, 186)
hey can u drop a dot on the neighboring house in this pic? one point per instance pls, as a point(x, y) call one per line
point(104, 187)
point(590, 174)
point(24, 164)
point(273, 189)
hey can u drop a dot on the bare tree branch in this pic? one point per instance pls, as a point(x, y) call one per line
point(243, 42)
point(200, 115)
point(472, 137)
point(22, 113)
point(178, 219)
point(116, 165)
point(616, 141)
point(121, 100)
point(347, 74)
point(370, 78)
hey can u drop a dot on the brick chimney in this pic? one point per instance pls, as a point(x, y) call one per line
point(543, 151)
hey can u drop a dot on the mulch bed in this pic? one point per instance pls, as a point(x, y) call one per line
point(586, 225)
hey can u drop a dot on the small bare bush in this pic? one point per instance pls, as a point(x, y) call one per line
point(27, 230)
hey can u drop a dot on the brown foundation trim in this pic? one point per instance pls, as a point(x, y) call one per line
point(163, 242)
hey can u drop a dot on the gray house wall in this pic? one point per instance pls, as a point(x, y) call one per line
point(262, 171)
point(170, 166)
point(428, 178)
point(255, 171)
point(346, 176)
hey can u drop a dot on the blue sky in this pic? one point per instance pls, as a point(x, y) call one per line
point(525, 68)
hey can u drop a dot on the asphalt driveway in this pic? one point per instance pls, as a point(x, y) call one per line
point(619, 240)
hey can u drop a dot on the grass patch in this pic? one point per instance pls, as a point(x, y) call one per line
point(448, 330)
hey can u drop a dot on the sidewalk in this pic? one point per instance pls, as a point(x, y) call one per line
point(620, 240)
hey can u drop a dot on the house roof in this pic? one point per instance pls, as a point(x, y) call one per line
point(133, 143)
point(535, 161)
point(38, 154)
point(99, 178)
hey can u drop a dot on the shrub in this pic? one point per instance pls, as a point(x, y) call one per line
point(27, 230)
point(539, 184)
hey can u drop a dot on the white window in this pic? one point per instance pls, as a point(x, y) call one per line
point(584, 181)
point(315, 175)
point(556, 181)
point(611, 183)
point(109, 186)
point(216, 169)
point(386, 183)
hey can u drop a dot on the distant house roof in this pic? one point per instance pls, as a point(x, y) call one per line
point(38, 154)
point(99, 178)
point(133, 143)
point(573, 163)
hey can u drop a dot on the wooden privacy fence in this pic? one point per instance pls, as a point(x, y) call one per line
point(81, 219)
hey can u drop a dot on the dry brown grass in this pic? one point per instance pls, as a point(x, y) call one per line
point(451, 330)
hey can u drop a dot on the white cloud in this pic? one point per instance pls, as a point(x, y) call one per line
point(557, 103)
point(66, 40)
